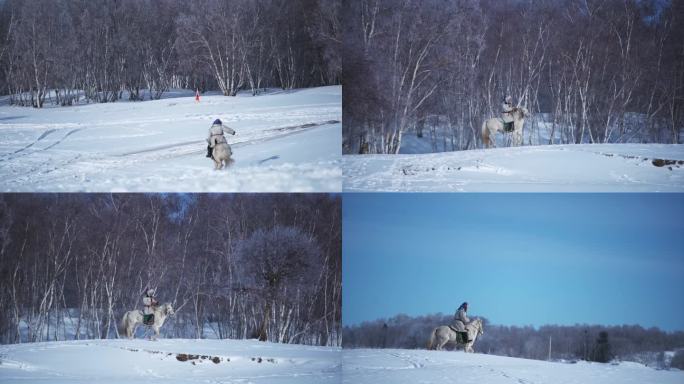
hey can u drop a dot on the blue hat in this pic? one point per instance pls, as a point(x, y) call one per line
point(218, 121)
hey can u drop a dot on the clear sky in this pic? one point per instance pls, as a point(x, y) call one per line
point(518, 259)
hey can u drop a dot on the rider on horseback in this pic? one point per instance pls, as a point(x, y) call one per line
point(461, 320)
point(150, 303)
point(216, 133)
point(506, 113)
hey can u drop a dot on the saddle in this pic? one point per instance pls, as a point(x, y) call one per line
point(508, 127)
point(462, 337)
point(148, 319)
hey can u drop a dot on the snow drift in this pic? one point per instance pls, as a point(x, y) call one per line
point(168, 361)
point(396, 366)
point(549, 168)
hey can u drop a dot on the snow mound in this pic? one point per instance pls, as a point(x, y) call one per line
point(549, 168)
point(378, 366)
point(168, 361)
point(285, 142)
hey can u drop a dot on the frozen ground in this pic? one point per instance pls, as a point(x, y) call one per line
point(395, 366)
point(285, 141)
point(168, 361)
point(549, 168)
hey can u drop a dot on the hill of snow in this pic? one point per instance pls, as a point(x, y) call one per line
point(548, 168)
point(285, 141)
point(378, 366)
point(168, 361)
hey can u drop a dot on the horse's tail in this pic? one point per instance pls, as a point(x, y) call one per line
point(485, 134)
point(122, 325)
point(431, 341)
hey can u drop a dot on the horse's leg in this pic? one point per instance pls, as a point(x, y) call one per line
point(491, 136)
point(445, 339)
point(134, 327)
point(517, 134)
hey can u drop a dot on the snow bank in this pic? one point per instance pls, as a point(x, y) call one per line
point(550, 168)
point(419, 366)
point(168, 361)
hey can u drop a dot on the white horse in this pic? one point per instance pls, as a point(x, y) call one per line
point(221, 152)
point(491, 126)
point(132, 319)
point(444, 334)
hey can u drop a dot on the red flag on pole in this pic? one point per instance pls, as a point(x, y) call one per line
point(197, 96)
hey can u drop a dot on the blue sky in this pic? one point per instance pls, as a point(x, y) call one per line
point(518, 259)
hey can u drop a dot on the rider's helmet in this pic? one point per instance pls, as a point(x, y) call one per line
point(464, 305)
point(150, 292)
point(217, 122)
point(508, 99)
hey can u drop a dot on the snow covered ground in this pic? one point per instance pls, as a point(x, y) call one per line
point(377, 366)
point(549, 168)
point(285, 141)
point(168, 361)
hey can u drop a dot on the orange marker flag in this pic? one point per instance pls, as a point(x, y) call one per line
point(197, 96)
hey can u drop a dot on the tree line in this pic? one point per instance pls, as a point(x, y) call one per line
point(63, 51)
point(589, 71)
point(555, 342)
point(232, 265)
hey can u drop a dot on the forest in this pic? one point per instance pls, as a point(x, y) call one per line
point(589, 71)
point(63, 52)
point(548, 342)
point(237, 266)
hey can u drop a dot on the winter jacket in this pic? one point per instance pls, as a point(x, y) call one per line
point(506, 108)
point(461, 320)
point(216, 133)
point(149, 303)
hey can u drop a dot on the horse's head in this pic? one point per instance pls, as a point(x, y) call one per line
point(522, 113)
point(168, 309)
point(480, 328)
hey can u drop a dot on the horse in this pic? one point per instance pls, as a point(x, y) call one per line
point(444, 334)
point(491, 126)
point(221, 152)
point(131, 319)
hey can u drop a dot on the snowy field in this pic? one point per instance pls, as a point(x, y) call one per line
point(285, 141)
point(168, 361)
point(549, 168)
point(395, 366)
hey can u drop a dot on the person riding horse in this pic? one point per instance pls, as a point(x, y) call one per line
point(506, 115)
point(216, 135)
point(149, 303)
point(461, 320)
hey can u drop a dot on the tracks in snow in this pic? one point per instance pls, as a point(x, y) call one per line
point(41, 137)
point(414, 363)
point(176, 149)
point(31, 168)
point(23, 151)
